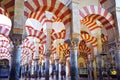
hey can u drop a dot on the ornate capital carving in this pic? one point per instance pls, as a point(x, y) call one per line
point(16, 39)
point(47, 54)
point(118, 45)
point(74, 43)
point(112, 46)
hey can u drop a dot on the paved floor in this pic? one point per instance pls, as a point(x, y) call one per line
point(52, 79)
point(41, 79)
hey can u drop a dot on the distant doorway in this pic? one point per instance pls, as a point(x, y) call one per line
point(4, 68)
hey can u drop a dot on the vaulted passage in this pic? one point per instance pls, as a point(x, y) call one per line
point(59, 40)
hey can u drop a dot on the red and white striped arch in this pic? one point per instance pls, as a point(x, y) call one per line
point(53, 50)
point(84, 49)
point(25, 51)
point(9, 6)
point(66, 48)
point(83, 55)
point(5, 29)
point(85, 11)
point(25, 40)
point(90, 22)
point(102, 1)
point(4, 50)
point(90, 15)
point(104, 38)
point(5, 24)
point(88, 38)
point(56, 19)
point(3, 12)
point(59, 35)
point(28, 45)
point(4, 47)
point(35, 33)
point(54, 6)
point(41, 49)
point(4, 43)
point(41, 17)
point(25, 56)
point(5, 56)
point(23, 59)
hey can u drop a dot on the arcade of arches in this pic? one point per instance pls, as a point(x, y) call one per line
point(62, 39)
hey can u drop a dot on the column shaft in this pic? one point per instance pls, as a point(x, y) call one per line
point(117, 64)
point(73, 64)
point(57, 69)
point(15, 70)
point(47, 68)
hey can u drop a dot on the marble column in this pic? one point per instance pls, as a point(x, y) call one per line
point(68, 67)
point(117, 22)
point(15, 66)
point(117, 59)
point(99, 50)
point(57, 60)
point(47, 48)
point(95, 63)
point(57, 68)
point(73, 60)
point(47, 65)
point(16, 36)
point(90, 57)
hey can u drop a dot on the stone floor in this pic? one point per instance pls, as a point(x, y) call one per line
point(68, 78)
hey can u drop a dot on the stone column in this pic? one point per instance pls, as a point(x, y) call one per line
point(73, 60)
point(47, 64)
point(57, 68)
point(57, 56)
point(117, 59)
point(15, 65)
point(90, 58)
point(68, 67)
point(16, 36)
point(95, 64)
point(117, 22)
point(47, 49)
point(99, 50)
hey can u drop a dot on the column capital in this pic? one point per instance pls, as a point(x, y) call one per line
point(74, 43)
point(17, 40)
point(47, 55)
point(117, 45)
point(113, 46)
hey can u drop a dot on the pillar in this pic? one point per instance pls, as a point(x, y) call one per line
point(117, 59)
point(90, 58)
point(118, 43)
point(74, 40)
point(117, 22)
point(47, 65)
point(57, 68)
point(67, 67)
point(57, 56)
point(16, 36)
point(47, 48)
point(73, 60)
point(94, 63)
point(15, 65)
point(99, 50)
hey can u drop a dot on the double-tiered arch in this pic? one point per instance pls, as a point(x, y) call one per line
point(95, 17)
point(5, 27)
point(54, 6)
